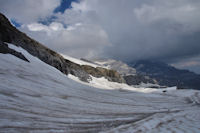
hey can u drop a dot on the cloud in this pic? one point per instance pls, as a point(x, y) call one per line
point(78, 40)
point(161, 30)
point(126, 30)
point(27, 11)
point(54, 26)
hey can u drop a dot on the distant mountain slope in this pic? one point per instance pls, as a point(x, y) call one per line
point(10, 34)
point(119, 66)
point(129, 74)
point(167, 75)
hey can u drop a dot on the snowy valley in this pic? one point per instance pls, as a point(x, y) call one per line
point(36, 97)
point(42, 91)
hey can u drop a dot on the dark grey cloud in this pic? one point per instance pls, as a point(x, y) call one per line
point(164, 30)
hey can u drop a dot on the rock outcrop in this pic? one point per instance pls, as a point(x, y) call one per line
point(4, 49)
point(98, 72)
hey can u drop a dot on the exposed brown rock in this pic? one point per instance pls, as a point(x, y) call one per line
point(111, 75)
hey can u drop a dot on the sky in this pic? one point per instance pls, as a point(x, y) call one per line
point(126, 30)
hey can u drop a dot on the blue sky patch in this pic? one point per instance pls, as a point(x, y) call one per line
point(15, 23)
point(65, 4)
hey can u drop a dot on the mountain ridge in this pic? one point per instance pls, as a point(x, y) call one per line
point(133, 73)
point(10, 34)
point(167, 75)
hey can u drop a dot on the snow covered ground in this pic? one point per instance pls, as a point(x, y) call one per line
point(103, 83)
point(81, 62)
point(37, 98)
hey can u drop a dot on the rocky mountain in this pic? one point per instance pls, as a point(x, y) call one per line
point(6, 50)
point(167, 75)
point(119, 66)
point(9, 34)
point(153, 74)
point(129, 74)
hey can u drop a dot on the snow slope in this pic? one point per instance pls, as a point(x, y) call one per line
point(119, 66)
point(37, 98)
point(81, 62)
point(103, 83)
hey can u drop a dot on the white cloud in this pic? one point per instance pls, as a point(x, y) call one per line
point(49, 30)
point(56, 26)
point(182, 13)
point(27, 11)
point(37, 27)
point(78, 40)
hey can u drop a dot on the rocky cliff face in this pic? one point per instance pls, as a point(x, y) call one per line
point(129, 74)
point(98, 72)
point(10, 34)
